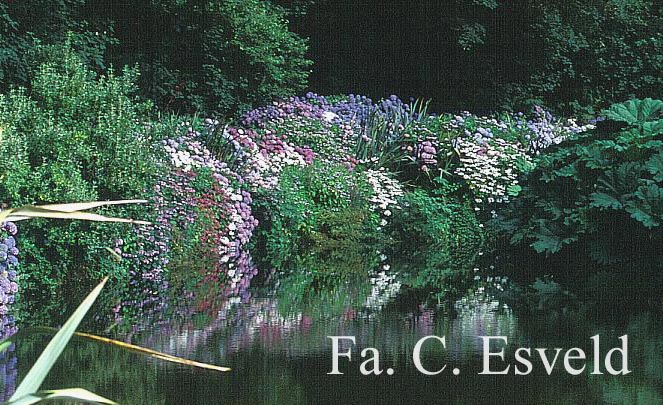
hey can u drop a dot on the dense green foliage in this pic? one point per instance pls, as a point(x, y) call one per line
point(488, 54)
point(213, 56)
point(585, 53)
point(437, 242)
point(223, 56)
point(72, 138)
point(597, 199)
point(319, 223)
point(23, 29)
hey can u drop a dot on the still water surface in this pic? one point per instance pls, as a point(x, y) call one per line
point(281, 355)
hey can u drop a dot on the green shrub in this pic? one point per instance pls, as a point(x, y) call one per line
point(438, 242)
point(319, 222)
point(196, 55)
point(598, 198)
point(24, 25)
point(562, 54)
point(73, 138)
point(214, 56)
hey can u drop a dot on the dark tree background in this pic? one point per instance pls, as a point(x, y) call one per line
point(379, 48)
point(481, 55)
point(224, 56)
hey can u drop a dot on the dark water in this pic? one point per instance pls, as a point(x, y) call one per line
point(281, 355)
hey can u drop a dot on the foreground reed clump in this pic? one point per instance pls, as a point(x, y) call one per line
point(28, 391)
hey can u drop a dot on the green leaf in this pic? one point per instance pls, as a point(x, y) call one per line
point(653, 128)
point(27, 212)
point(71, 207)
point(71, 394)
point(49, 356)
point(593, 157)
point(622, 180)
point(116, 257)
point(641, 216)
point(567, 171)
point(655, 166)
point(4, 345)
point(514, 189)
point(635, 111)
point(546, 241)
point(604, 201)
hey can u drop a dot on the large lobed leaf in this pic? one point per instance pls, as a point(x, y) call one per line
point(635, 111)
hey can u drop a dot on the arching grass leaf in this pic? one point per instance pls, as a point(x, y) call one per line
point(70, 394)
point(138, 349)
point(49, 356)
point(23, 213)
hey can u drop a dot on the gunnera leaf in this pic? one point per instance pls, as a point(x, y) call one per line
point(655, 166)
point(604, 201)
point(635, 111)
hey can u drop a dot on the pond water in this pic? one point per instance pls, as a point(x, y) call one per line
point(280, 354)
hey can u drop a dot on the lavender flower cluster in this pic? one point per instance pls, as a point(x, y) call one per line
point(259, 157)
point(353, 110)
point(421, 146)
point(545, 130)
point(332, 141)
point(8, 276)
point(535, 133)
point(278, 111)
point(8, 288)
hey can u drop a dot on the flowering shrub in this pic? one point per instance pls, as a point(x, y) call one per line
point(332, 179)
point(329, 142)
point(8, 277)
point(385, 196)
point(8, 265)
point(545, 130)
point(474, 161)
point(491, 169)
point(279, 111)
point(489, 155)
point(370, 132)
point(259, 157)
point(217, 191)
point(73, 137)
point(201, 210)
point(353, 109)
point(299, 214)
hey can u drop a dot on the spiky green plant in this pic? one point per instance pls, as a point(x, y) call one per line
point(28, 392)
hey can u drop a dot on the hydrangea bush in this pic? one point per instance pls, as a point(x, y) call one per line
point(464, 161)
point(201, 210)
point(8, 277)
point(327, 177)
